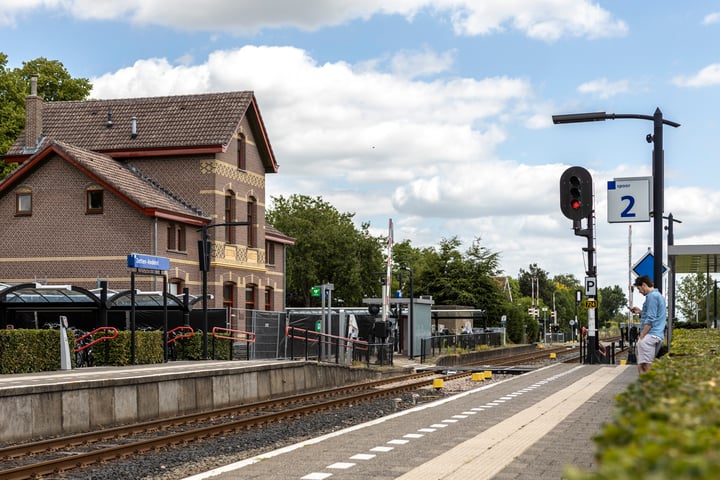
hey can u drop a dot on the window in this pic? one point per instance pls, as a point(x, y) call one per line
point(23, 203)
point(175, 287)
point(229, 295)
point(230, 216)
point(94, 200)
point(269, 253)
point(252, 220)
point(176, 237)
point(269, 299)
point(241, 152)
point(250, 296)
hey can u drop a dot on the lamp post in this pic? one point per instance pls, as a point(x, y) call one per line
point(658, 171)
point(204, 258)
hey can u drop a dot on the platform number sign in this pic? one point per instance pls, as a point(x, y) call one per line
point(629, 200)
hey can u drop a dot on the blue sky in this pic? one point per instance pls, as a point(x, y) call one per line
point(436, 114)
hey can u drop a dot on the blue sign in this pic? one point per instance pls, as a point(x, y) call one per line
point(646, 266)
point(150, 262)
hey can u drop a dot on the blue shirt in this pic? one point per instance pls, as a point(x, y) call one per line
point(654, 313)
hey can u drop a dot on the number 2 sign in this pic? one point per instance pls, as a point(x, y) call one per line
point(629, 200)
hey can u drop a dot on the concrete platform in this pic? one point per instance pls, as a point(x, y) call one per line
point(526, 427)
point(39, 405)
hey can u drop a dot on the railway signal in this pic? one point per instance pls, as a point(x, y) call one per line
point(576, 193)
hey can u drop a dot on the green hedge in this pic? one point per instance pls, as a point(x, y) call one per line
point(28, 351)
point(667, 424)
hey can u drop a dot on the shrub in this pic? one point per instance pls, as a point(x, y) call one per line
point(667, 424)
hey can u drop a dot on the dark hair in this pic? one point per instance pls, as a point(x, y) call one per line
point(643, 279)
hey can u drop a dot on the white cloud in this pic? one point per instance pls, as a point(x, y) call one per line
point(602, 88)
point(545, 20)
point(706, 77)
point(711, 18)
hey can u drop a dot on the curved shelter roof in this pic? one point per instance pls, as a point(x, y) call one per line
point(39, 296)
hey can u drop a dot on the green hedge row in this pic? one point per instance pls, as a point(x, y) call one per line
point(28, 351)
point(667, 424)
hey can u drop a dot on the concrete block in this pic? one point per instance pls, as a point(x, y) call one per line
point(101, 403)
point(263, 385)
point(203, 393)
point(187, 395)
point(75, 411)
point(148, 401)
point(17, 418)
point(220, 390)
point(125, 405)
point(168, 393)
point(46, 414)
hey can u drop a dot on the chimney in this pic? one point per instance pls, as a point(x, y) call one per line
point(33, 116)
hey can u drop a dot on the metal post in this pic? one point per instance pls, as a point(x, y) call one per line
point(204, 262)
point(658, 174)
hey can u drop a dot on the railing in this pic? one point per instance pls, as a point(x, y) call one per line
point(349, 348)
point(84, 346)
point(450, 344)
point(84, 343)
point(233, 335)
point(173, 336)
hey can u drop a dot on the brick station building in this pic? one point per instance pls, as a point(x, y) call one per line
point(101, 179)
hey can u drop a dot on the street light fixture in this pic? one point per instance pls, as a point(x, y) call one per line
point(658, 171)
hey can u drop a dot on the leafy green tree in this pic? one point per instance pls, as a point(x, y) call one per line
point(692, 293)
point(612, 299)
point(526, 278)
point(54, 84)
point(328, 249)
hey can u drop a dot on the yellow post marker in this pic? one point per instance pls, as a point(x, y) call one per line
point(623, 362)
point(438, 383)
point(477, 376)
point(553, 356)
point(488, 374)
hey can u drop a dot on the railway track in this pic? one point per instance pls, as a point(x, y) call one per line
point(50, 457)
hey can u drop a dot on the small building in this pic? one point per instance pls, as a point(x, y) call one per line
point(411, 322)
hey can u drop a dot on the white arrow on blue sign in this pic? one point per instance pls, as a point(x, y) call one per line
point(645, 266)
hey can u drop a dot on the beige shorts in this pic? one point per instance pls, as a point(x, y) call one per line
point(648, 348)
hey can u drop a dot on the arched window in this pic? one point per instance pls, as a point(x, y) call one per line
point(250, 296)
point(241, 152)
point(229, 295)
point(230, 216)
point(268, 299)
point(252, 222)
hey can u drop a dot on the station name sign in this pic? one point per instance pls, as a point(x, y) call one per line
point(150, 262)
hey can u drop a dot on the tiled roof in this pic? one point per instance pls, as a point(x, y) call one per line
point(127, 182)
point(162, 122)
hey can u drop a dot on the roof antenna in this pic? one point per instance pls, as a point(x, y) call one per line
point(109, 120)
point(133, 128)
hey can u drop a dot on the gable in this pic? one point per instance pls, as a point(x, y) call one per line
point(125, 182)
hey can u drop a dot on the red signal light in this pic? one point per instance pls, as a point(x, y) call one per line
point(575, 204)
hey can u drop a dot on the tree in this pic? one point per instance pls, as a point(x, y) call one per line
point(692, 293)
point(612, 299)
point(54, 84)
point(328, 249)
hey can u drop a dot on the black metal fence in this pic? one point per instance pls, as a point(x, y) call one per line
point(452, 344)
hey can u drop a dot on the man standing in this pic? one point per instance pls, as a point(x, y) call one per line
point(653, 317)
